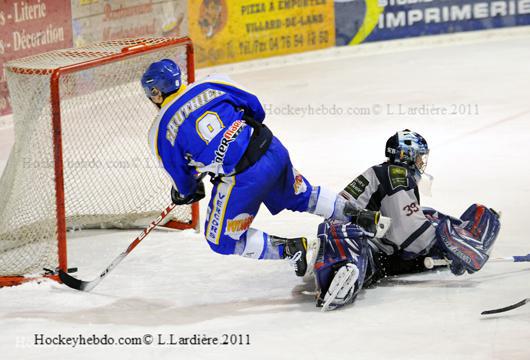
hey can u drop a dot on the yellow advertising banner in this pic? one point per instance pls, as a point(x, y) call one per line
point(227, 31)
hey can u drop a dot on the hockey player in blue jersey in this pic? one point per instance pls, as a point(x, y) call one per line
point(351, 257)
point(216, 127)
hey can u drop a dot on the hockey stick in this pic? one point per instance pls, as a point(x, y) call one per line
point(81, 285)
point(507, 308)
point(430, 263)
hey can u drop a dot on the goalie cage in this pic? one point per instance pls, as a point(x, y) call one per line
point(81, 158)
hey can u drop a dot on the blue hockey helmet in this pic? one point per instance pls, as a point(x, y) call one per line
point(408, 148)
point(161, 78)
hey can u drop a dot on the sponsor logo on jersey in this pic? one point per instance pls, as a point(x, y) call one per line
point(215, 220)
point(185, 110)
point(357, 186)
point(217, 212)
point(229, 136)
point(398, 176)
point(238, 225)
point(299, 185)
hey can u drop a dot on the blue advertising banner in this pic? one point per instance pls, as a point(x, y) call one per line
point(359, 21)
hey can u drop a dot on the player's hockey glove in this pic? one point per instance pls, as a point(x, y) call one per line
point(190, 199)
point(371, 221)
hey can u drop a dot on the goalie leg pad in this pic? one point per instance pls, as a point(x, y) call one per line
point(343, 287)
point(483, 224)
point(460, 247)
point(468, 241)
point(343, 260)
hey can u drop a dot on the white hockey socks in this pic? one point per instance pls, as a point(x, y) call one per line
point(327, 203)
point(258, 245)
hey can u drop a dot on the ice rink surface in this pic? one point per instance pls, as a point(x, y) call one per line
point(174, 284)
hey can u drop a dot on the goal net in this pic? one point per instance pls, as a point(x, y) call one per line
point(81, 158)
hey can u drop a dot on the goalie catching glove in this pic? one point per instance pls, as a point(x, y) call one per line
point(178, 199)
point(467, 241)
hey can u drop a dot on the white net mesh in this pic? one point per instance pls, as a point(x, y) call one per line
point(110, 177)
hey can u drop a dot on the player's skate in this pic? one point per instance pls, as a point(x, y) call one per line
point(342, 288)
point(295, 250)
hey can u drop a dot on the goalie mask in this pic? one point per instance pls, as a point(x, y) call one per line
point(408, 148)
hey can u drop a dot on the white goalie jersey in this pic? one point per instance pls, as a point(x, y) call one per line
point(392, 190)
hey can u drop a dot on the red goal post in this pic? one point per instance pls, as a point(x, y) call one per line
point(80, 158)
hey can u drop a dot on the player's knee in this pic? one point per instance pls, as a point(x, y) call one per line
point(220, 248)
point(223, 246)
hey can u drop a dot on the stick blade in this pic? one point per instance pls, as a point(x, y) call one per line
point(507, 308)
point(74, 283)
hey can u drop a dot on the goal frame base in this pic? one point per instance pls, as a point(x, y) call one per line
point(6, 281)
